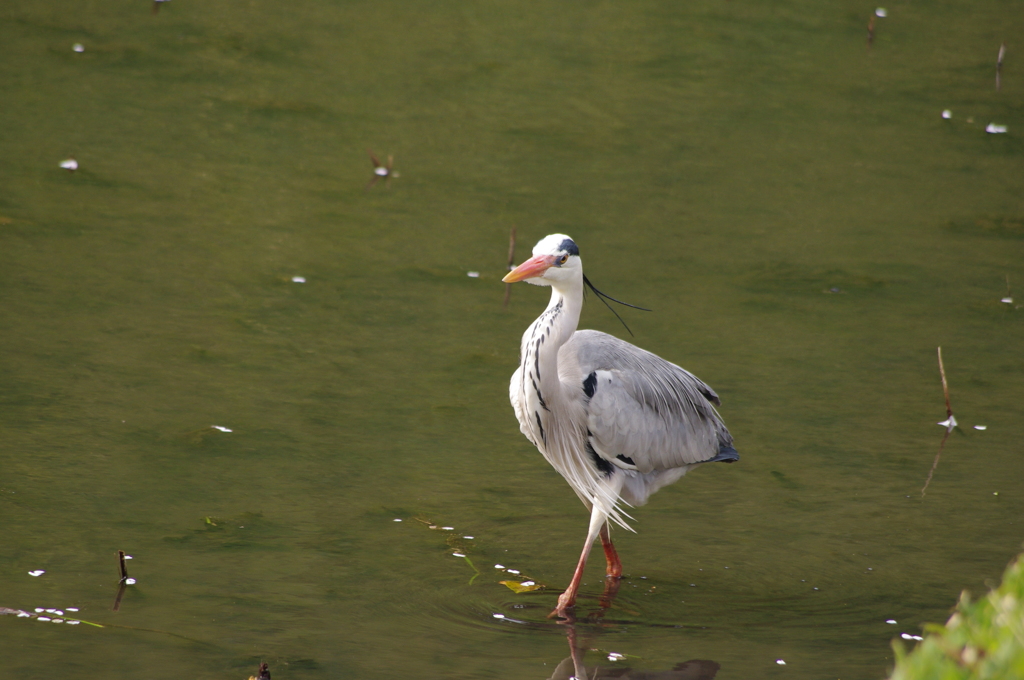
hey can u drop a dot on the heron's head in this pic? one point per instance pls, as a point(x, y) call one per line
point(555, 259)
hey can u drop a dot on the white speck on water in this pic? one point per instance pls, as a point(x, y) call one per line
point(73, 623)
point(448, 528)
point(22, 615)
point(994, 129)
point(380, 172)
point(891, 621)
point(468, 538)
point(527, 583)
point(948, 423)
point(458, 554)
point(499, 566)
point(69, 164)
point(59, 612)
point(870, 569)
point(473, 275)
point(37, 572)
point(128, 557)
point(396, 520)
point(815, 587)
point(498, 616)
point(72, 609)
point(981, 427)
point(221, 428)
point(693, 585)
point(51, 611)
point(947, 114)
point(615, 656)
point(1007, 300)
point(780, 662)
point(39, 611)
point(78, 47)
point(298, 279)
point(42, 618)
point(130, 581)
point(513, 571)
point(906, 636)
point(58, 620)
point(881, 12)
point(995, 493)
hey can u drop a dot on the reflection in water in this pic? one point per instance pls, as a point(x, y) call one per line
point(574, 668)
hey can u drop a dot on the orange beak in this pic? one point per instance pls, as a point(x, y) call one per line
point(535, 266)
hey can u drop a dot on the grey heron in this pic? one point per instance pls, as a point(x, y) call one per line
point(616, 421)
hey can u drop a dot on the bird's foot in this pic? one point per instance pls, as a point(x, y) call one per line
point(565, 608)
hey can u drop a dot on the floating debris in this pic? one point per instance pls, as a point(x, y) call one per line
point(994, 129)
point(907, 636)
point(499, 566)
point(949, 423)
point(73, 623)
point(396, 520)
point(981, 427)
point(498, 616)
point(780, 662)
point(615, 656)
point(468, 538)
point(881, 12)
point(130, 581)
point(72, 609)
point(42, 618)
point(448, 528)
point(473, 275)
point(221, 428)
point(381, 171)
point(458, 554)
point(947, 114)
point(891, 621)
point(78, 47)
point(37, 572)
point(513, 571)
point(298, 279)
point(69, 164)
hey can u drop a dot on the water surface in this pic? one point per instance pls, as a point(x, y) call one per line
point(805, 224)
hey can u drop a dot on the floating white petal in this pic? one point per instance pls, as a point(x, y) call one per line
point(221, 428)
point(513, 571)
point(948, 423)
point(42, 618)
point(499, 566)
point(881, 12)
point(891, 621)
point(78, 47)
point(448, 528)
point(994, 129)
point(458, 554)
point(37, 572)
point(73, 623)
point(22, 615)
point(72, 609)
point(468, 538)
point(947, 114)
point(298, 279)
point(527, 583)
point(69, 164)
point(130, 581)
point(380, 172)
point(981, 427)
point(39, 611)
point(780, 662)
point(498, 616)
point(128, 557)
point(615, 656)
point(473, 275)
point(396, 520)
point(58, 620)
point(1007, 300)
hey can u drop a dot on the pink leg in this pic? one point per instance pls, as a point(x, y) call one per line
point(612, 557)
point(568, 598)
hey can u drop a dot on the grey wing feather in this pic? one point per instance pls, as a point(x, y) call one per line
point(645, 413)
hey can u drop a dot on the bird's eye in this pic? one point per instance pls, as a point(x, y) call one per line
point(563, 259)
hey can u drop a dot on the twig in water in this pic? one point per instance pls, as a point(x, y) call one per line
point(949, 423)
point(999, 67)
point(511, 262)
point(124, 569)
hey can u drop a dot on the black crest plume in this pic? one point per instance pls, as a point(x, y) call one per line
point(604, 298)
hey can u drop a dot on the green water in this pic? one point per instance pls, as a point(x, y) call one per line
point(727, 164)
